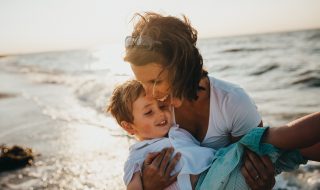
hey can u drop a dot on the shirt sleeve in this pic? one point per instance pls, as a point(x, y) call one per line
point(242, 113)
point(130, 167)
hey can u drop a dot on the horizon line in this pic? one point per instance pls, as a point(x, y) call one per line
point(200, 39)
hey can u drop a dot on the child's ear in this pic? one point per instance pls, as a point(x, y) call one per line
point(127, 126)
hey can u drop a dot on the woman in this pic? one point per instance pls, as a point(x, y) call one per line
point(163, 55)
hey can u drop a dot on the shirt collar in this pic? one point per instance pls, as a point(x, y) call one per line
point(144, 143)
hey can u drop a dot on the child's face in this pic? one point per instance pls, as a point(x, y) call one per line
point(152, 119)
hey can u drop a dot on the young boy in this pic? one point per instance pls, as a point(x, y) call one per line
point(151, 122)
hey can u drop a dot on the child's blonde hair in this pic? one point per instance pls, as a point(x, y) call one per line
point(122, 98)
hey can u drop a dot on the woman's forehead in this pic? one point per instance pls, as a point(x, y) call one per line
point(146, 72)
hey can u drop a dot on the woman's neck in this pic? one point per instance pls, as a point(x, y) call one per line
point(193, 116)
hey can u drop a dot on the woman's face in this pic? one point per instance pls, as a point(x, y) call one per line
point(154, 79)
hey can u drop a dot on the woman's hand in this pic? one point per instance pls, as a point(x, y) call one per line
point(258, 171)
point(157, 168)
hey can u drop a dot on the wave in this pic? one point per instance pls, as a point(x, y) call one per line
point(315, 36)
point(309, 81)
point(95, 92)
point(265, 69)
point(233, 50)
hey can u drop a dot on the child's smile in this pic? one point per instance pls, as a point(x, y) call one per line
point(150, 118)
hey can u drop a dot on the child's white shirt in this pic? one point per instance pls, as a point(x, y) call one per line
point(194, 158)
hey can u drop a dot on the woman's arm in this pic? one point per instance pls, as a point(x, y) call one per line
point(301, 133)
point(135, 183)
point(157, 169)
point(312, 152)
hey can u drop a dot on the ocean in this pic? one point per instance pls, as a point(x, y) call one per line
point(54, 103)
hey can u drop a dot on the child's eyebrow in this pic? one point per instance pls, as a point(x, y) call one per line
point(147, 105)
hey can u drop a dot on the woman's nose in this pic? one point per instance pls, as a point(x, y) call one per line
point(160, 113)
point(148, 90)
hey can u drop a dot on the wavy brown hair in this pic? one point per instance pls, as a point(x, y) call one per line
point(121, 101)
point(177, 53)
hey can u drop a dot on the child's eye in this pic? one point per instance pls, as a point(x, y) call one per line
point(148, 112)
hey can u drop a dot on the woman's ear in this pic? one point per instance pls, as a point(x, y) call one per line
point(128, 127)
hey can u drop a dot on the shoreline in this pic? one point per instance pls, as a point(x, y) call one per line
point(73, 153)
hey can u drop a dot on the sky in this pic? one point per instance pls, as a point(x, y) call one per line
point(49, 25)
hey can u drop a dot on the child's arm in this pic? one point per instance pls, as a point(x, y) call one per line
point(303, 133)
point(135, 183)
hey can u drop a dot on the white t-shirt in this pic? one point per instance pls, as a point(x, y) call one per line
point(194, 158)
point(232, 112)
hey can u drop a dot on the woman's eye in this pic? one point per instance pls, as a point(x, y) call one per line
point(152, 81)
point(163, 106)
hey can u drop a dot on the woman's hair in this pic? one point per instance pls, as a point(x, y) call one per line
point(177, 52)
point(122, 99)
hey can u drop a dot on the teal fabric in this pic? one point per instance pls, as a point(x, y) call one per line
point(224, 172)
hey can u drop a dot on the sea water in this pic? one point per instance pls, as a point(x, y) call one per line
point(54, 103)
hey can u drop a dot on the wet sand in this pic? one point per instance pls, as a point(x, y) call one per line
point(72, 152)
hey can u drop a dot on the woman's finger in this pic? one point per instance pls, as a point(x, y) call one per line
point(269, 171)
point(249, 165)
point(249, 180)
point(173, 178)
point(157, 161)
point(260, 169)
point(150, 157)
point(165, 161)
point(172, 165)
point(268, 164)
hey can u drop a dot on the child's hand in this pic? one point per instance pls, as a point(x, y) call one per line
point(157, 168)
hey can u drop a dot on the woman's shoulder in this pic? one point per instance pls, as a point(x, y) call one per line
point(226, 92)
point(222, 85)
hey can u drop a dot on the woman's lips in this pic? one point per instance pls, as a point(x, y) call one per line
point(163, 98)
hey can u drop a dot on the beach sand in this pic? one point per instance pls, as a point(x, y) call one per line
point(71, 152)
